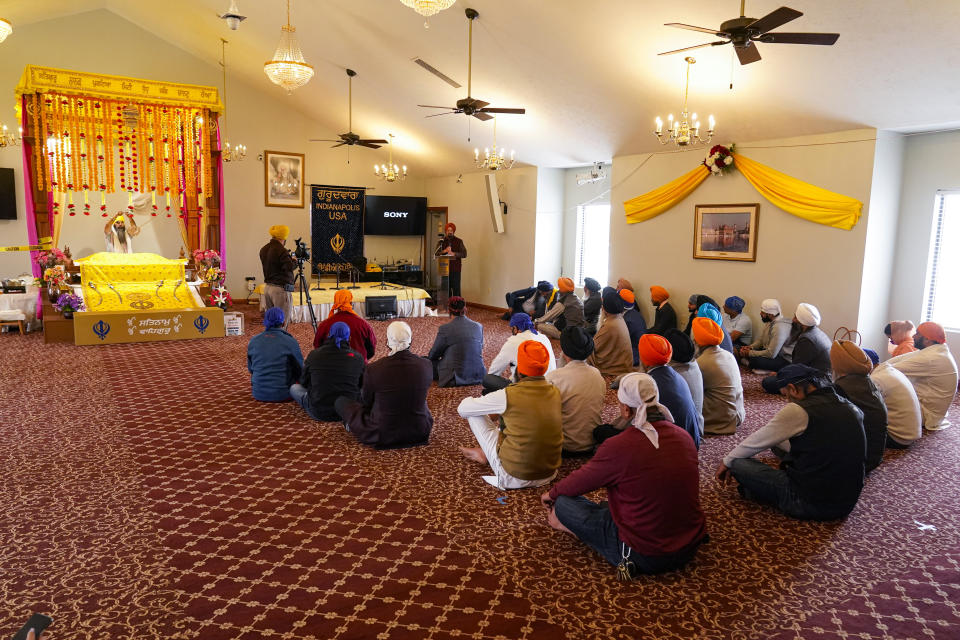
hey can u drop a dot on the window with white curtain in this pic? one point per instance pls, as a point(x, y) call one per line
point(593, 243)
point(942, 304)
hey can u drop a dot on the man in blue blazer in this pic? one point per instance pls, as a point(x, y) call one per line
point(457, 352)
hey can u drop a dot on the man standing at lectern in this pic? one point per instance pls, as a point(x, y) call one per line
point(452, 246)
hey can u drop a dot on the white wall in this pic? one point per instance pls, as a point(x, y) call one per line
point(548, 254)
point(573, 196)
point(258, 116)
point(496, 263)
point(797, 261)
point(929, 163)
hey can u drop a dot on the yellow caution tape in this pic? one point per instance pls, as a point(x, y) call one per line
point(45, 243)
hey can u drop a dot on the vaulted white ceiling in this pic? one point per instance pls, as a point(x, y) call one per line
point(587, 72)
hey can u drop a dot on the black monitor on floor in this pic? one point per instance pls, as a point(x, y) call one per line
point(381, 307)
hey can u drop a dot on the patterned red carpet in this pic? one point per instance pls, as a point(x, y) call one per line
point(146, 495)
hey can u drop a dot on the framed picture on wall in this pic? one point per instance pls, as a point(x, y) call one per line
point(283, 179)
point(726, 232)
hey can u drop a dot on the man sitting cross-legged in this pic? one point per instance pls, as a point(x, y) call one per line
point(582, 390)
point(933, 373)
point(506, 361)
point(330, 371)
point(851, 369)
point(820, 438)
point(523, 446)
point(653, 521)
point(457, 351)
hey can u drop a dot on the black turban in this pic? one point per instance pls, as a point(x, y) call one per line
point(612, 302)
point(683, 347)
point(576, 343)
point(591, 285)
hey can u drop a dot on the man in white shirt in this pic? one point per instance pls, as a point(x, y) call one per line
point(737, 325)
point(933, 373)
point(904, 418)
point(523, 329)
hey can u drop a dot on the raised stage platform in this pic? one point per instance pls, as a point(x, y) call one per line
point(411, 302)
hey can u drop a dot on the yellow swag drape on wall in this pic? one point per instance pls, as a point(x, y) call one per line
point(655, 202)
point(800, 198)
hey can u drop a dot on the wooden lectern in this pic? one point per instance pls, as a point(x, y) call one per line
point(443, 292)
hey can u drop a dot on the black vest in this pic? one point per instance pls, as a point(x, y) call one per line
point(826, 462)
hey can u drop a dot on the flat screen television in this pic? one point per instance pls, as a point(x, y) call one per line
point(395, 216)
point(8, 195)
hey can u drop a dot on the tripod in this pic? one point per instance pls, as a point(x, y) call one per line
point(305, 292)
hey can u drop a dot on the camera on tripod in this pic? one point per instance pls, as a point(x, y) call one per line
point(301, 252)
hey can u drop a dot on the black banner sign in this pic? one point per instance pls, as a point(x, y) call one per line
point(336, 226)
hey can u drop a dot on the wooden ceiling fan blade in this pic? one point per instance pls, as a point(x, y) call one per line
point(690, 27)
point(800, 38)
point(374, 141)
point(338, 145)
point(322, 140)
point(774, 19)
point(434, 115)
point(698, 46)
point(502, 110)
point(480, 115)
point(432, 106)
point(368, 144)
point(478, 104)
point(748, 54)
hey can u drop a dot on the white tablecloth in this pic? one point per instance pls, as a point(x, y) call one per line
point(26, 302)
point(411, 302)
point(405, 309)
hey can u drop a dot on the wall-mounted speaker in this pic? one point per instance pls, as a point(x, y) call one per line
point(493, 202)
point(8, 195)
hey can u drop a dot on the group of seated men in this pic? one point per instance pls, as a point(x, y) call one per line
point(673, 387)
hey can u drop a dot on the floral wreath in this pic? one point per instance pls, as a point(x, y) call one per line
point(719, 158)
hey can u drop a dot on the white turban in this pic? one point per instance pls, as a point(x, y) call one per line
point(771, 306)
point(399, 336)
point(639, 390)
point(808, 315)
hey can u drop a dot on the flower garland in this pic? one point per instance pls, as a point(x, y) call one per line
point(719, 158)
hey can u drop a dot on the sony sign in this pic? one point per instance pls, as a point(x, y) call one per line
point(395, 214)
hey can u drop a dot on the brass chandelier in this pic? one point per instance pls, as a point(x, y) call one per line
point(390, 172)
point(288, 68)
point(686, 130)
point(428, 8)
point(494, 161)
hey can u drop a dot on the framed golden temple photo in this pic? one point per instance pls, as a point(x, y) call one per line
point(283, 179)
point(726, 232)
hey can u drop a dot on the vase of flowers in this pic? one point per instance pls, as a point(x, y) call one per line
point(220, 297)
point(50, 258)
point(55, 278)
point(67, 304)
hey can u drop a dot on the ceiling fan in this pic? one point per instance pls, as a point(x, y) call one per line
point(350, 138)
point(743, 32)
point(471, 106)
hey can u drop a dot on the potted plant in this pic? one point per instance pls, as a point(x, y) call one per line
point(67, 304)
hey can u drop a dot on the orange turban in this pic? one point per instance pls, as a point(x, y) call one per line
point(341, 302)
point(658, 294)
point(452, 228)
point(654, 350)
point(932, 331)
point(532, 358)
point(565, 285)
point(706, 332)
point(623, 283)
point(627, 296)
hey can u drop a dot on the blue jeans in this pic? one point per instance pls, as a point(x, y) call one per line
point(593, 524)
point(762, 483)
point(301, 396)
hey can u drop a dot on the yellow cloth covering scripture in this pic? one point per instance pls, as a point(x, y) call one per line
point(135, 276)
point(655, 202)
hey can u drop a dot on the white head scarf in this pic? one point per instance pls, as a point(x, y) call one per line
point(639, 390)
point(808, 315)
point(399, 336)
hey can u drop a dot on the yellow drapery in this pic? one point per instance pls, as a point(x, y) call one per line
point(655, 202)
point(800, 198)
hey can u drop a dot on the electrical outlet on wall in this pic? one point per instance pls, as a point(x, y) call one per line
point(251, 283)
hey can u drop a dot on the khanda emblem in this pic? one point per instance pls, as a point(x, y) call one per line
point(101, 329)
point(337, 243)
point(201, 323)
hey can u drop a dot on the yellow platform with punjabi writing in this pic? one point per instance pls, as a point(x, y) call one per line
point(117, 327)
point(134, 282)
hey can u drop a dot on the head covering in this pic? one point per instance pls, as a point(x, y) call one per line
point(532, 358)
point(591, 285)
point(273, 317)
point(639, 390)
point(654, 350)
point(342, 300)
point(612, 302)
point(693, 299)
point(565, 285)
point(658, 294)
point(399, 336)
point(846, 358)
point(900, 331)
point(339, 332)
point(628, 298)
point(576, 343)
point(807, 314)
point(932, 331)
point(795, 374)
point(119, 218)
point(706, 332)
point(874, 358)
point(623, 283)
point(522, 322)
point(450, 227)
point(771, 306)
point(544, 287)
point(682, 345)
point(707, 310)
point(734, 303)
point(279, 231)
point(456, 305)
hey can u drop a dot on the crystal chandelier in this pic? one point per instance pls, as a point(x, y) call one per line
point(493, 161)
point(5, 29)
point(686, 130)
point(7, 139)
point(390, 172)
point(227, 153)
point(288, 69)
point(428, 8)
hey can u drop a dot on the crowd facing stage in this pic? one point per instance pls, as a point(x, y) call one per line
point(674, 387)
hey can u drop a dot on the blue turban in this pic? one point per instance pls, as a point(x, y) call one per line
point(707, 310)
point(522, 322)
point(874, 358)
point(339, 333)
point(735, 303)
point(273, 317)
